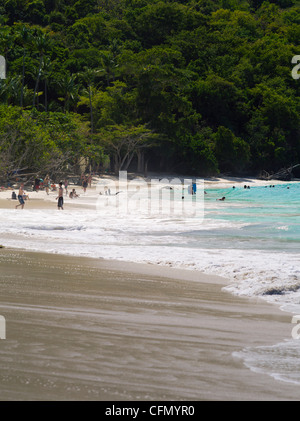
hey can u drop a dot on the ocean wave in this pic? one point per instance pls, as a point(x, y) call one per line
point(280, 361)
point(258, 254)
point(53, 228)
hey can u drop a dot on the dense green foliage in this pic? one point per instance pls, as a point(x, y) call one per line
point(189, 86)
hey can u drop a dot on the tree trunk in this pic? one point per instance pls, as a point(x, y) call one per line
point(146, 169)
point(37, 81)
point(141, 161)
point(23, 79)
point(116, 164)
point(91, 109)
point(129, 159)
point(46, 99)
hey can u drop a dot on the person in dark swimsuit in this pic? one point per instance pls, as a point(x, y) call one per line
point(21, 197)
point(84, 184)
point(60, 197)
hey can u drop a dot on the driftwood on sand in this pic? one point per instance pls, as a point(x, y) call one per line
point(284, 174)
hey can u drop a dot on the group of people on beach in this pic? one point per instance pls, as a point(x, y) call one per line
point(46, 183)
point(73, 195)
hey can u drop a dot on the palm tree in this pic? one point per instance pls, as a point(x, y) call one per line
point(3, 90)
point(9, 89)
point(89, 76)
point(42, 44)
point(109, 65)
point(69, 89)
point(47, 69)
point(6, 44)
point(24, 38)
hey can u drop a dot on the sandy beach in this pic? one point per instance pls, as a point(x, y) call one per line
point(40, 199)
point(84, 329)
point(89, 329)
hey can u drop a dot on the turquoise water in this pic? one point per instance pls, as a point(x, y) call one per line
point(264, 224)
point(260, 217)
point(252, 239)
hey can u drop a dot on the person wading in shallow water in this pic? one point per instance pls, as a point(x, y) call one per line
point(60, 197)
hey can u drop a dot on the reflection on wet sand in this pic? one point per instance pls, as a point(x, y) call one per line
point(79, 330)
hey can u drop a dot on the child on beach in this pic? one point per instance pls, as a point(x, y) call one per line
point(73, 194)
point(60, 197)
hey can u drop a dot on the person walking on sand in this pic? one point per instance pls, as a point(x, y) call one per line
point(60, 197)
point(21, 197)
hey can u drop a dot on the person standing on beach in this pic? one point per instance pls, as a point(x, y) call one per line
point(47, 183)
point(36, 184)
point(60, 197)
point(21, 197)
point(84, 183)
point(66, 186)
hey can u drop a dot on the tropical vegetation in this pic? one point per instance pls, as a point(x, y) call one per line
point(195, 87)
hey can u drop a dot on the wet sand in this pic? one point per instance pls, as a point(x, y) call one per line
point(34, 203)
point(86, 329)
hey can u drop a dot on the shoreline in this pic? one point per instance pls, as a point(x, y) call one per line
point(88, 200)
point(246, 321)
point(113, 331)
point(216, 181)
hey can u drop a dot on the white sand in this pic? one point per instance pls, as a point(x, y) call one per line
point(83, 329)
point(89, 198)
point(88, 329)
